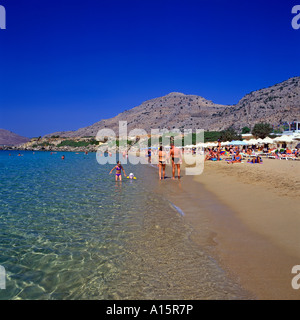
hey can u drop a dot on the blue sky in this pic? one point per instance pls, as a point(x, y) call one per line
point(68, 64)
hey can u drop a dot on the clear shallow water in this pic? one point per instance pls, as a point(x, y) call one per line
point(69, 231)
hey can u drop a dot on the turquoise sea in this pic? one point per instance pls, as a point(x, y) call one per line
point(69, 231)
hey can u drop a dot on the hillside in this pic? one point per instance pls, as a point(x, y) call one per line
point(175, 110)
point(275, 105)
point(9, 138)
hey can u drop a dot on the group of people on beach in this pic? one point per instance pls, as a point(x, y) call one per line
point(235, 154)
point(163, 158)
point(231, 154)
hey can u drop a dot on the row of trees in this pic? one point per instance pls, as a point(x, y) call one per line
point(260, 130)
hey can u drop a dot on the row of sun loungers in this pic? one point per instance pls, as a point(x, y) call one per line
point(272, 156)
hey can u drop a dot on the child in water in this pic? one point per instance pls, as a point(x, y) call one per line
point(118, 168)
point(131, 176)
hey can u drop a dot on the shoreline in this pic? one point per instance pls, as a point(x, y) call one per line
point(130, 249)
point(193, 210)
point(245, 224)
point(245, 217)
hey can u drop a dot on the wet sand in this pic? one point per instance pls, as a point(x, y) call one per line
point(247, 217)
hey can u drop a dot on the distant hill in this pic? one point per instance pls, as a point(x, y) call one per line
point(275, 105)
point(9, 138)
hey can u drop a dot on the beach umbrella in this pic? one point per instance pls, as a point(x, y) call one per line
point(252, 142)
point(225, 143)
point(259, 141)
point(209, 144)
point(284, 138)
point(238, 143)
point(245, 143)
point(267, 140)
point(296, 137)
point(149, 148)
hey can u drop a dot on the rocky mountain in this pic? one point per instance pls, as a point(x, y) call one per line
point(275, 105)
point(9, 138)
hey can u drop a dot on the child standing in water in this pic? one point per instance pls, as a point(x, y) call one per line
point(118, 168)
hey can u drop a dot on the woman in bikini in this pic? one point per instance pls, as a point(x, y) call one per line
point(237, 158)
point(118, 168)
point(162, 158)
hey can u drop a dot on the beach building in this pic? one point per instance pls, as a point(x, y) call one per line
point(294, 127)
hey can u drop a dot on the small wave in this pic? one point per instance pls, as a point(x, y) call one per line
point(153, 165)
point(177, 209)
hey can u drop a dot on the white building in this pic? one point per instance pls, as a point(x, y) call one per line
point(294, 127)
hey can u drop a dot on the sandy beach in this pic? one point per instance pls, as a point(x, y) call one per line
point(247, 217)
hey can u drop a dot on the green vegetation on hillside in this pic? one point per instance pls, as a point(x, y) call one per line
point(43, 144)
point(246, 130)
point(262, 130)
point(209, 136)
point(72, 143)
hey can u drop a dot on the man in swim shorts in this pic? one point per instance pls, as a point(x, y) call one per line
point(175, 155)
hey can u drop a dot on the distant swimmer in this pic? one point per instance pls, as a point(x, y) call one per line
point(118, 168)
point(149, 155)
point(63, 157)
